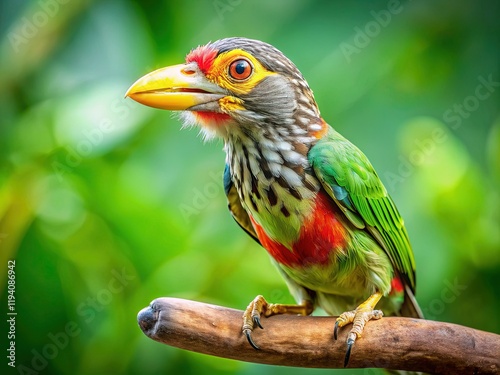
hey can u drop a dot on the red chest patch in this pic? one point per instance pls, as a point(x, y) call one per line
point(320, 236)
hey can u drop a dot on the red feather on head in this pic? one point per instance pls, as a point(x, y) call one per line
point(204, 56)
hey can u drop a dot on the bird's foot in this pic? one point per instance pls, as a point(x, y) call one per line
point(358, 318)
point(260, 307)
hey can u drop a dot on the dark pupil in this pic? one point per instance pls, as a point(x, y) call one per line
point(240, 67)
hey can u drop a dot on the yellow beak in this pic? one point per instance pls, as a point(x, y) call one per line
point(177, 87)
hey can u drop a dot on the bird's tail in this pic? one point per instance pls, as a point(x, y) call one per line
point(410, 307)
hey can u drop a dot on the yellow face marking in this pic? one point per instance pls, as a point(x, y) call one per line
point(229, 104)
point(219, 72)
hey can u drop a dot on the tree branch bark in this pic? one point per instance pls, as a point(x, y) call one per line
point(392, 342)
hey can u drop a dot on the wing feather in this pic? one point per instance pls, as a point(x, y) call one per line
point(350, 180)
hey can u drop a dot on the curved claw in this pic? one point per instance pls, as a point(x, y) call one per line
point(350, 344)
point(248, 334)
point(336, 330)
point(256, 320)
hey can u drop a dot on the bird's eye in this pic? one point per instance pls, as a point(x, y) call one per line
point(240, 69)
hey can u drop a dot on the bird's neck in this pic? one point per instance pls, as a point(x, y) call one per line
point(274, 180)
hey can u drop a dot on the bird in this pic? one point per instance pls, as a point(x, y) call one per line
point(305, 193)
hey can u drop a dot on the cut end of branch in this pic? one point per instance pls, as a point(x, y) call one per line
point(147, 319)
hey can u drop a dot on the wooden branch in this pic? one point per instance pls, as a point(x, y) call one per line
point(397, 343)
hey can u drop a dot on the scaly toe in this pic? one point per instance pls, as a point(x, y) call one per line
point(358, 318)
point(361, 318)
point(251, 318)
point(343, 319)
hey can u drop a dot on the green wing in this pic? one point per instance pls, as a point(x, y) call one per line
point(349, 178)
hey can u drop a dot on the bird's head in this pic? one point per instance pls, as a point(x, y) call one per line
point(234, 85)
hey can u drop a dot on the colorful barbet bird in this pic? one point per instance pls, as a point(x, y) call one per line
point(304, 192)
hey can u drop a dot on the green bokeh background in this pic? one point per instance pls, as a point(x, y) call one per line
point(106, 204)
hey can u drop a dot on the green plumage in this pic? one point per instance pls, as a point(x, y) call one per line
point(343, 168)
point(377, 246)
